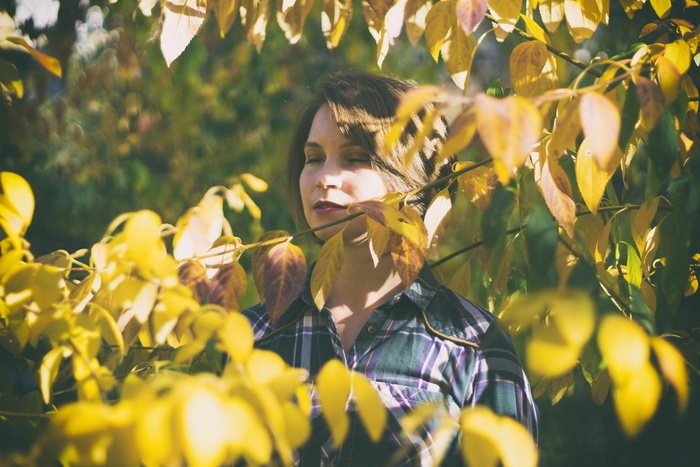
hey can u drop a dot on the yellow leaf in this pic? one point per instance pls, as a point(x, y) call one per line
point(506, 12)
point(378, 236)
point(49, 370)
point(298, 428)
point(489, 440)
point(392, 218)
point(661, 7)
point(16, 203)
point(416, 14)
point(555, 187)
point(641, 222)
point(335, 19)
point(254, 183)
point(50, 63)
point(527, 69)
point(291, 16)
point(583, 17)
point(508, 128)
point(457, 51)
point(327, 269)
point(236, 335)
point(436, 219)
point(460, 282)
point(157, 447)
point(371, 409)
point(254, 17)
point(263, 366)
point(333, 386)
point(624, 346)
point(439, 21)
point(225, 12)
point(534, 29)
point(414, 100)
point(636, 399)
point(651, 102)
point(669, 78)
point(566, 128)
point(182, 20)
point(461, 133)
point(552, 13)
point(673, 368)
point(471, 13)
point(591, 179)
point(408, 256)
point(600, 119)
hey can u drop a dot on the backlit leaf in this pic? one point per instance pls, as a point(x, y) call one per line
point(259, 257)
point(182, 20)
point(591, 179)
point(534, 29)
point(378, 236)
point(236, 336)
point(225, 12)
point(527, 69)
point(641, 222)
point(327, 269)
point(600, 119)
point(333, 386)
point(457, 51)
point(581, 19)
point(414, 100)
point(506, 12)
point(477, 184)
point(556, 190)
point(17, 199)
point(438, 21)
point(625, 347)
point(50, 63)
point(636, 399)
point(408, 256)
point(508, 128)
point(669, 78)
point(651, 102)
point(254, 17)
point(460, 282)
point(369, 406)
point(436, 219)
point(228, 285)
point(48, 371)
point(194, 276)
point(552, 13)
point(225, 249)
point(489, 440)
point(416, 14)
point(285, 268)
point(392, 218)
point(673, 368)
point(380, 7)
point(471, 13)
point(661, 7)
point(461, 133)
point(335, 19)
point(566, 129)
point(291, 16)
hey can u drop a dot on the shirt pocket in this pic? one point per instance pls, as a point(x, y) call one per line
point(401, 399)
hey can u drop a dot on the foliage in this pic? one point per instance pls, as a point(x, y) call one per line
point(581, 191)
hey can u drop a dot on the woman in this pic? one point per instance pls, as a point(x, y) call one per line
point(424, 344)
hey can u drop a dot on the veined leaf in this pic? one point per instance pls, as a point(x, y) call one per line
point(380, 7)
point(556, 190)
point(285, 268)
point(182, 20)
point(378, 236)
point(415, 19)
point(194, 276)
point(225, 12)
point(461, 133)
point(552, 13)
point(436, 219)
point(471, 13)
point(228, 285)
point(392, 218)
point(333, 386)
point(508, 128)
point(506, 12)
point(532, 69)
point(566, 129)
point(600, 119)
point(583, 17)
point(651, 102)
point(327, 269)
point(335, 19)
point(477, 184)
point(458, 51)
point(259, 257)
point(370, 407)
point(254, 17)
point(591, 179)
point(408, 256)
point(49, 370)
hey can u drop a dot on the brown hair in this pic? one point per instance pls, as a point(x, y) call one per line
point(364, 105)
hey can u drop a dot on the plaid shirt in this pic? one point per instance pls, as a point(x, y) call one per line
point(426, 344)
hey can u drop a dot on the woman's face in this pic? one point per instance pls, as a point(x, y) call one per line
point(336, 174)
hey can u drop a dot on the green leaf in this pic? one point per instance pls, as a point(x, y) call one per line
point(629, 115)
point(495, 218)
point(663, 151)
point(541, 237)
point(675, 246)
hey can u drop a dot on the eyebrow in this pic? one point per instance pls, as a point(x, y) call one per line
point(349, 144)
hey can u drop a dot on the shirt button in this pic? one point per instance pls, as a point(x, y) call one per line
point(371, 329)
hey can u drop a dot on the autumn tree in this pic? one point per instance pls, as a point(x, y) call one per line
point(577, 223)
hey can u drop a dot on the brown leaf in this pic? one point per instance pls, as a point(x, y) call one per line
point(193, 275)
point(291, 18)
point(391, 218)
point(254, 17)
point(651, 102)
point(285, 268)
point(259, 257)
point(408, 256)
point(228, 285)
point(327, 269)
point(225, 12)
point(336, 17)
point(416, 13)
point(380, 8)
point(471, 13)
point(556, 189)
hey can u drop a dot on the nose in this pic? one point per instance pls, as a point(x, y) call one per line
point(330, 176)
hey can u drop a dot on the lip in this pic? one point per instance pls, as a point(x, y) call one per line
point(323, 206)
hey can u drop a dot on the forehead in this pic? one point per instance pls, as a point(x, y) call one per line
point(324, 127)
